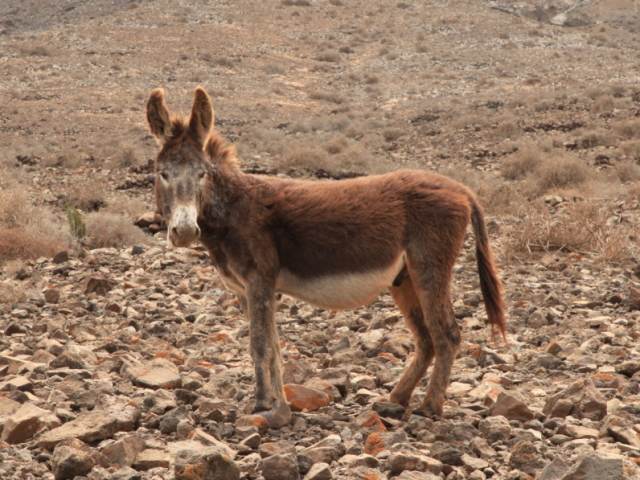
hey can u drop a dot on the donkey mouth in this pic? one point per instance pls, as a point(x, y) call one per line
point(181, 238)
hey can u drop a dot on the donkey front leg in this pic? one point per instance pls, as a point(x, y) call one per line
point(265, 352)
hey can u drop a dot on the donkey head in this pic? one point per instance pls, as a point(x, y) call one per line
point(183, 171)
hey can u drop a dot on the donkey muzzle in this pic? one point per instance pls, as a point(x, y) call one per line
point(183, 228)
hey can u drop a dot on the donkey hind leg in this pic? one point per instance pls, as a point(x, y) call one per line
point(265, 352)
point(433, 290)
point(409, 304)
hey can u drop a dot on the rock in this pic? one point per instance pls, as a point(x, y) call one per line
point(71, 458)
point(257, 421)
point(495, 429)
point(472, 463)
point(454, 432)
point(525, 457)
point(158, 377)
point(252, 441)
point(97, 284)
point(280, 467)
point(152, 458)
point(193, 461)
point(388, 410)
point(481, 448)
point(554, 470)
point(628, 368)
point(487, 358)
point(624, 435)
point(276, 448)
point(52, 295)
point(26, 422)
point(446, 453)
point(596, 467)
point(124, 451)
point(338, 377)
point(400, 461)
point(297, 371)
point(581, 399)
point(61, 257)
point(279, 417)
point(88, 427)
point(161, 401)
point(377, 442)
point(407, 475)
point(316, 383)
point(302, 398)
point(510, 407)
point(319, 471)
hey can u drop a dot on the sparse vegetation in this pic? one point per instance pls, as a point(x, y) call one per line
point(111, 230)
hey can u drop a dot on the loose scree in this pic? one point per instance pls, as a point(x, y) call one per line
point(335, 245)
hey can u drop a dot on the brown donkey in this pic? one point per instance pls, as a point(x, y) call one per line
point(336, 245)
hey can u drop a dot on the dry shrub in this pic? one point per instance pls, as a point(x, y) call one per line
point(603, 104)
point(466, 121)
point(12, 292)
point(27, 231)
point(521, 163)
point(127, 206)
point(627, 171)
point(302, 155)
point(27, 242)
point(507, 129)
point(334, 97)
point(328, 56)
point(273, 69)
point(393, 134)
point(631, 148)
point(596, 138)
point(336, 144)
point(627, 129)
point(110, 230)
point(579, 227)
point(85, 194)
point(357, 158)
point(561, 170)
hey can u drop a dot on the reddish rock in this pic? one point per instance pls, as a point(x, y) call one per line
point(377, 442)
point(302, 398)
point(257, 421)
point(581, 399)
point(510, 407)
point(97, 284)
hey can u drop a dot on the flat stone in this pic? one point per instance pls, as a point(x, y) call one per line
point(193, 461)
point(581, 399)
point(88, 427)
point(377, 442)
point(596, 468)
point(319, 471)
point(280, 467)
point(124, 451)
point(511, 407)
point(26, 422)
point(152, 458)
point(302, 398)
point(400, 461)
point(158, 377)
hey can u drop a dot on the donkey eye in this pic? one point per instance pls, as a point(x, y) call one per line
point(164, 176)
point(202, 176)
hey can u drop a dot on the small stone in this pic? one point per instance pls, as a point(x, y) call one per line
point(257, 421)
point(525, 457)
point(194, 461)
point(581, 399)
point(628, 368)
point(302, 398)
point(595, 467)
point(319, 471)
point(52, 295)
point(455, 432)
point(554, 471)
point(97, 284)
point(124, 451)
point(377, 442)
point(26, 422)
point(510, 407)
point(71, 458)
point(252, 441)
point(446, 453)
point(401, 461)
point(158, 377)
point(152, 458)
point(61, 257)
point(388, 410)
point(88, 427)
point(280, 467)
point(495, 428)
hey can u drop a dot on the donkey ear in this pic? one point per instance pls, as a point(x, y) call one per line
point(158, 115)
point(201, 120)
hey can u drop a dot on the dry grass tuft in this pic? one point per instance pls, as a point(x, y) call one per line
point(27, 242)
point(522, 163)
point(110, 230)
point(628, 129)
point(595, 138)
point(301, 155)
point(580, 227)
point(627, 171)
point(561, 170)
point(86, 195)
point(12, 292)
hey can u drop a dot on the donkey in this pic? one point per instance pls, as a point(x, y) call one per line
point(335, 245)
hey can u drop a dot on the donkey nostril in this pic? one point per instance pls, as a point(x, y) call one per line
point(174, 231)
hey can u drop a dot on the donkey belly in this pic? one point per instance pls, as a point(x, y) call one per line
point(340, 291)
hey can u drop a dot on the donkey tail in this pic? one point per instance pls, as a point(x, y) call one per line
point(490, 284)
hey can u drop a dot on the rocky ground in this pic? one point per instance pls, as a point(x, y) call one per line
point(133, 363)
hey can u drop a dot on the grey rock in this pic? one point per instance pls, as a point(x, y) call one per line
point(280, 467)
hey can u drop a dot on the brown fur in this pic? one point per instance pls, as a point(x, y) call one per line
point(265, 235)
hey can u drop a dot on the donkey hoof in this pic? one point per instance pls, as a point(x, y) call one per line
point(278, 416)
